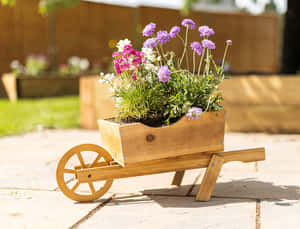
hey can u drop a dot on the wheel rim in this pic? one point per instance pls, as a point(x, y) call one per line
point(78, 152)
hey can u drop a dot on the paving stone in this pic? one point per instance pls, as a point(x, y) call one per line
point(257, 185)
point(40, 210)
point(155, 184)
point(173, 212)
point(29, 161)
point(280, 214)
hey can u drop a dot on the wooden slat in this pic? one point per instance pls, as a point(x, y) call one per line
point(210, 178)
point(177, 179)
point(263, 118)
point(10, 85)
point(179, 163)
point(129, 143)
point(261, 90)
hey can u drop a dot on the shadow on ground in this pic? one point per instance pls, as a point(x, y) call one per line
point(240, 191)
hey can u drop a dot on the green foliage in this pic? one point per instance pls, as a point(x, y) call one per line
point(27, 114)
point(34, 66)
point(152, 99)
point(188, 5)
point(47, 6)
point(8, 2)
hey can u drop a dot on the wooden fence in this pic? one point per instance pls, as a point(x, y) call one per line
point(88, 29)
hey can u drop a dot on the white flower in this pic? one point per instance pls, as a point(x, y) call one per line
point(149, 78)
point(74, 60)
point(122, 43)
point(149, 67)
point(149, 54)
point(118, 101)
point(109, 77)
point(84, 64)
point(106, 78)
point(15, 64)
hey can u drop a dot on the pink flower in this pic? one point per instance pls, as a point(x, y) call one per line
point(137, 60)
point(115, 54)
point(117, 67)
point(125, 66)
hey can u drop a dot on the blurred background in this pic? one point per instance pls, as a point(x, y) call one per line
point(264, 61)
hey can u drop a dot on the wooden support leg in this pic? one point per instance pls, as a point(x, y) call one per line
point(210, 178)
point(177, 179)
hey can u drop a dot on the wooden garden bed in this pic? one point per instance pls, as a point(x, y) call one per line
point(253, 103)
point(42, 86)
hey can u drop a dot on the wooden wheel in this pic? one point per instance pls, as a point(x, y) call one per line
point(73, 160)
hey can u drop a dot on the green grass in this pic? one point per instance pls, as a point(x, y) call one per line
point(27, 114)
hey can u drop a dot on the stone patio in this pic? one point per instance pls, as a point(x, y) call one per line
point(253, 195)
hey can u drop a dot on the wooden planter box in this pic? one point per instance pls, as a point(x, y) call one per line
point(37, 87)
point(135, 142)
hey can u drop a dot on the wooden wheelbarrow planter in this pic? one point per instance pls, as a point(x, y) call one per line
point(135, 150)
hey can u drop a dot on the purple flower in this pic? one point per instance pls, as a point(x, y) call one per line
point(229, 42)
point(194, 113)
point(196, 46)
point(164, 74)
point(150, 43)
point(149, 29)
point(208, 44)
point(163, 36)
point(188, 23)
point(206, 31)
point(174, 31)
point(226, 68)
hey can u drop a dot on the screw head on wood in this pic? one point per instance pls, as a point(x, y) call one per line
point(150, 138)
point(213, 164)
point(89, 176)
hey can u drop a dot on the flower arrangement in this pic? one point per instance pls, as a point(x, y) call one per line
point(153, 87)
point(34, 65)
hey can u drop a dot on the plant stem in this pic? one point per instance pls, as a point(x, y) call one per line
point(194, 62)
point(162, 51)
point(207, 61)
point(158, 54)
point(201, 60)
point(225, 53)
point(185, 46)
point(181, 39)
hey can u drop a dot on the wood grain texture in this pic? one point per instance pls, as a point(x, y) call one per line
point(179, 163)
point(71, 192)
point(42, 86)
point(88, 118)
point(131, 143)
point(210, 178)
point(10, 85)
point(178, 177)
point(261, 90)
point(95, 102)
point(263, 118)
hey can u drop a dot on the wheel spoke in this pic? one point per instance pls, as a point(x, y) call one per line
point(95, 161)
point(69, 171)
point(80, 159)
point(75, 186)
point(92, 187)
